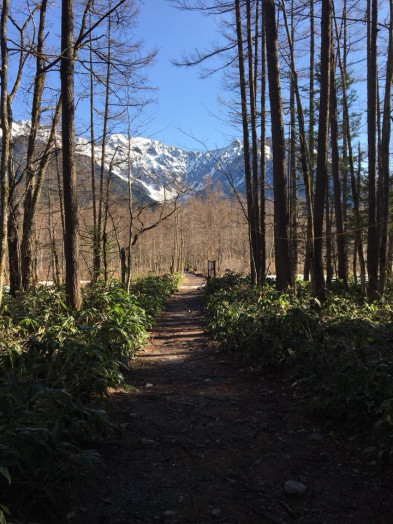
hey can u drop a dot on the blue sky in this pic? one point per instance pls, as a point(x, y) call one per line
point(186, 105)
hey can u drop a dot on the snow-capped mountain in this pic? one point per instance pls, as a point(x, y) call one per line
point(160, 171)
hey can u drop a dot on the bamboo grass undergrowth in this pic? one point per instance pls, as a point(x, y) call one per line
point(337, 354)
point(56, 366)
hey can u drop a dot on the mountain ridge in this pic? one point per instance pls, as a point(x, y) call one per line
point(163, 171)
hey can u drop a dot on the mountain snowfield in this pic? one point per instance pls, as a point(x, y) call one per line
point(162, 171)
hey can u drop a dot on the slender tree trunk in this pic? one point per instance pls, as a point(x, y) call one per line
point(304, 156)
point(281, 243)
point(262, 205)
point(345, 169)
point(354, 186)
point(383, 182)
point(356, 202)
point(318, 287)
point(293, 170)
point(309, 255)
point(389, 262)
point(96, 235)
point(130, 213)
point(27, 245)
point(105, 245)
point(372, 236)
point(293, 188)
point(14, 255)
point(5, 144)
point(255, 233)
point(15, 276)
point(335, 161)
point(329, 247)
point(355, 260)
point(73, 294)
point(246, 141)
point(99, 240)
point(31, 203)
point(52, 241)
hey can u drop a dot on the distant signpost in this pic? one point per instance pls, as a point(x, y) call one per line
point(211, 269)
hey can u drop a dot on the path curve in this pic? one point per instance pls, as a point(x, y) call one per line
point(207, 441)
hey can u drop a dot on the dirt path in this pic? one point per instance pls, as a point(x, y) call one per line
point(206, 441)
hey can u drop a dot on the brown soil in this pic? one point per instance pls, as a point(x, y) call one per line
point(206, 441)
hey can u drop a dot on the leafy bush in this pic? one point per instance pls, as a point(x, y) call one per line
point(54, 365)
point(152, 291)
point(338, 352)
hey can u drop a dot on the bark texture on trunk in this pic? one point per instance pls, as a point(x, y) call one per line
point(335, 160)
point(372, 236)
point(73, 294)
point(318, 283)
point(246, 140)
point(383, 179)
point(281, 219)
point(5, 144)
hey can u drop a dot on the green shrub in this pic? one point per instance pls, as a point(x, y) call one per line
point(152, 291)
point(338, 352)
point(54, 365)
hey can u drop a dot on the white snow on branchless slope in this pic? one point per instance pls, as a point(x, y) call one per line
point(164, 171)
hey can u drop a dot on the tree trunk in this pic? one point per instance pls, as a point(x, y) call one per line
point(358, 232)
point(27, 245)
point(309, 251)
point(318, 286)
point(383, 181)
point(389, 262)
point(73, 293)
point(345, 170)
point(14, 265)
point(354, 185)
point(304, 157)
point(246, 141)
point(36, 177)
point(14, 262)
point(98, 256)
point(281, 244)
point(96, 239)
point(262, 202)
point(255, 233)
point(293, 170)
point(5, 144)
point(335, 161)
point(372, 236)
point(329, 247)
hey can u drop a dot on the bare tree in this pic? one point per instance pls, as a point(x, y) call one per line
point(335, 160)
point(281, 242)
point(372, 73)
point(318, 287)
point(5, 142)
point(71, 248)
point(383, 179)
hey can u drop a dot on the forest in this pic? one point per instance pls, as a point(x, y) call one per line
point(90, 250)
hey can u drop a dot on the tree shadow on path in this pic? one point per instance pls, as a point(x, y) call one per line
point(207, 441)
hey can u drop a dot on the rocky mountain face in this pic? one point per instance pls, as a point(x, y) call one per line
point(159, 171)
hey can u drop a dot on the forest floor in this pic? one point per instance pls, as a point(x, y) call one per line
point(209, 441)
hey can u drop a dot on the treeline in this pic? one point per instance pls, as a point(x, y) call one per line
point(291, 69)
point(202, 227)
point(294, 65)
point(99, 65)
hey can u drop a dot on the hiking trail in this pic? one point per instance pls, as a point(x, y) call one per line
point(209, 441)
